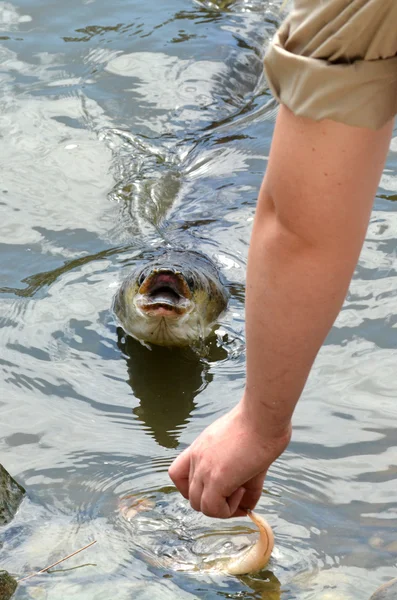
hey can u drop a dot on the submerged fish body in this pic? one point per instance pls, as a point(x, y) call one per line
point(387, 591)
point(172, 300)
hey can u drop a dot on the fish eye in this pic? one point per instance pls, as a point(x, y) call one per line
point(190, 281)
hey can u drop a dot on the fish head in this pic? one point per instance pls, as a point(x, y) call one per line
point(172, 300)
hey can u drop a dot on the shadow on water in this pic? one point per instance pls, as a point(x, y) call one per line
point(166, 382)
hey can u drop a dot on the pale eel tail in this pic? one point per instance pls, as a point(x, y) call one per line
point(258, 555)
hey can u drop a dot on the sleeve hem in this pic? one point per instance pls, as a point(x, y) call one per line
point(360, 94)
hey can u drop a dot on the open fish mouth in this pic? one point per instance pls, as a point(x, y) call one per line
point(164, 293)
point(171, 300)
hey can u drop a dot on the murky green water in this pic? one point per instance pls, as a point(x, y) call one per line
point(124, 125)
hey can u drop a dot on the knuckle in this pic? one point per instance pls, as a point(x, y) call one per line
point(213, 477)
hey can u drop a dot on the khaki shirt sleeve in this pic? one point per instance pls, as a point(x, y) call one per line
point(337, 59)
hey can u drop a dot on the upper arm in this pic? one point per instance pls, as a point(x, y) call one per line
point(322, 177)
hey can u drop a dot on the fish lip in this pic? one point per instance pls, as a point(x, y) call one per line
point(166, 278)
point(176, 298)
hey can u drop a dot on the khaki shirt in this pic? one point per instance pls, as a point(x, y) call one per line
point(337, 59)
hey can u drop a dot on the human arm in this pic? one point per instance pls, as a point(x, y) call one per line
point(312, 215)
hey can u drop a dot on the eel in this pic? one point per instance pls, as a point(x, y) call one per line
point(255, 558)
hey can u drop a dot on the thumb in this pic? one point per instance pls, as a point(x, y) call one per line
point(253, 491)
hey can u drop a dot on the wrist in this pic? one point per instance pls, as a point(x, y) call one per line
point(267, 421)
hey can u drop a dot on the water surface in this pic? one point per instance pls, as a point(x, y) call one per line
point(123, 127)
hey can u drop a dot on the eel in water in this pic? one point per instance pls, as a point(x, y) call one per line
point(247, 561)
point(255, 558)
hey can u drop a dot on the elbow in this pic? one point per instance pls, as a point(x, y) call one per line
point(295, 231)
point(276, 234)
point(278, 248)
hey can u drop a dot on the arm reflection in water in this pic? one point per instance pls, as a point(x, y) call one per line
point(166, 382)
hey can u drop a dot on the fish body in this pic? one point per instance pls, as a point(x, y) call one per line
point(249, 560)
point(171, 300)
point(256, 557)
point(387, 591)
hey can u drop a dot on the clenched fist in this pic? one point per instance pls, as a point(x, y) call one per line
point(223, 471)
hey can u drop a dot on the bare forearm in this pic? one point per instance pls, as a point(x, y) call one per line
point(294, 293)
point(311, 220)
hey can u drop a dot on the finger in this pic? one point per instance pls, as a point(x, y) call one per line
point(240, 512)
point(183, 487)
point(213, 504)
point(179, 473)
point(253, 492)
point(235, 499)
point(195, 493)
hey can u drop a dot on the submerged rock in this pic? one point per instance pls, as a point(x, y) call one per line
point(8, 585)
point(11, 495)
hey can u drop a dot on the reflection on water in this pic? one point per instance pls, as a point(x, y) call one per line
point(165, 381)
point(124, 128)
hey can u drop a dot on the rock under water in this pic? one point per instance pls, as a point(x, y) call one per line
point(8, 585)
point(11, 495)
